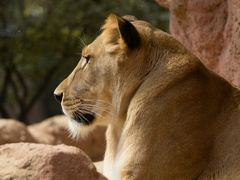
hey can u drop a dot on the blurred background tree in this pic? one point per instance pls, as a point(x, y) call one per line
point(40, 43)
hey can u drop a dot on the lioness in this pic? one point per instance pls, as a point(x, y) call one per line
point(168, 116)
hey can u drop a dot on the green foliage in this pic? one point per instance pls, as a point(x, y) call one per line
point(40, 43)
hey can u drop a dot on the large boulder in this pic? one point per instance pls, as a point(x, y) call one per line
point(48, 162)
point(12, 131)
point(211, 30)
point(54, 131)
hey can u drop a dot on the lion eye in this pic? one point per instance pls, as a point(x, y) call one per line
point(84, 62)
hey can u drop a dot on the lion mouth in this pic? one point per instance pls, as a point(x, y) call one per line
point(84, 118)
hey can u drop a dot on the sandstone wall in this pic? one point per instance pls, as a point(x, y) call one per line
point(211, 30)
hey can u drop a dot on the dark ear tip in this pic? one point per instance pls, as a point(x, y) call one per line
point(129, 33)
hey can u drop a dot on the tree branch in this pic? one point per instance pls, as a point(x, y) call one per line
point(38, 93)
point(22, 82)
point(19, 100)
point(3, 93)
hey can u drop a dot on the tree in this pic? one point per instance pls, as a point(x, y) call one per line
point(39, 43)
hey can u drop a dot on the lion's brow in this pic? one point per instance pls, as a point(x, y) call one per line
point(85, 51)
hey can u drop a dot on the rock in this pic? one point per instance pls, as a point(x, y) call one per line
point(12, 131)
point(211, 30)
point(54, 131)
point(38, 161)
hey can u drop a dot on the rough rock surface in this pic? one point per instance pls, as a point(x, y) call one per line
point(211, 30)
point(12, 131)
point(37, 161)
point(54, 131)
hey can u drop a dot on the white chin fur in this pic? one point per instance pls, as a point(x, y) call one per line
point(77, 130)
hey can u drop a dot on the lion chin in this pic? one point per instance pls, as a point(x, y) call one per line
point(80, 126)
point(78, 130)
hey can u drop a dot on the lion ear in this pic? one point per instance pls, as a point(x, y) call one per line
point(128, 33)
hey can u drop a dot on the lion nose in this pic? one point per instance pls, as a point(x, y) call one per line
point(58, 97)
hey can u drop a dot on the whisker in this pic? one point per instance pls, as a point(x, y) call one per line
point(81, 116)
point(95, 105)
point(89, 100)
point(75, 113)
point(98, 108)
point(74, 101)
point(76, 104)
point(98, 100)
point(82, 41)
point(90, 107)
point(89, 111)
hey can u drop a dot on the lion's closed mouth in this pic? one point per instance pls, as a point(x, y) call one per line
point(84, 118)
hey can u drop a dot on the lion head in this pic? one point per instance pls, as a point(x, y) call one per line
point(109, 72)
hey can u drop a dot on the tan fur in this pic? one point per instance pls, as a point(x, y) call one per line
point(168, 116)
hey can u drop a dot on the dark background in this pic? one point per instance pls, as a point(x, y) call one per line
point(41, 41)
